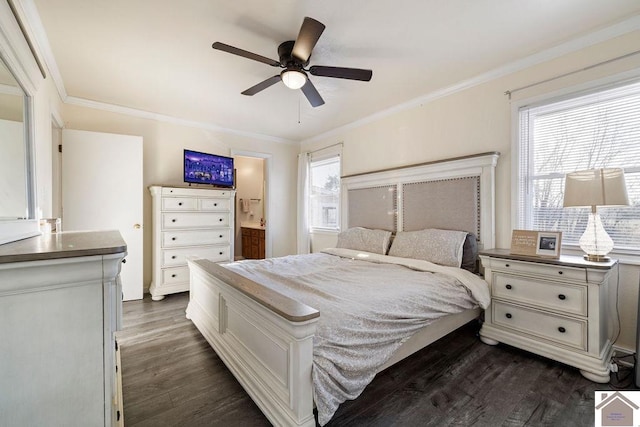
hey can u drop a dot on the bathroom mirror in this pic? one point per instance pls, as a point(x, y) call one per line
point(19, 80)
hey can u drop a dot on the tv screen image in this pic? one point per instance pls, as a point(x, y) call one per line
point(204, 168)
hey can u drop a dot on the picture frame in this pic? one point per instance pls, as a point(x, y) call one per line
point(533, 243)
point(548, 244)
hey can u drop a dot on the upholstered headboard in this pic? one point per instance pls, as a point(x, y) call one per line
point(453, 194)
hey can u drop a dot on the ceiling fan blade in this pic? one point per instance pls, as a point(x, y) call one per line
point(262, 85)
point(341, 72)
point(312, 94)
point(245, 54)
point(308, 36)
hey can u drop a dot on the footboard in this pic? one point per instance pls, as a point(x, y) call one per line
point(263, 337)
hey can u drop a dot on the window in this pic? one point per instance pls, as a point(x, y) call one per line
point(599, 129)
point(324, 193)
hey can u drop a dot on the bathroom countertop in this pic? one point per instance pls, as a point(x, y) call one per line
point(254, 225)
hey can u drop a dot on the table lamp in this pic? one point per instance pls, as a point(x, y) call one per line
point(593, 188)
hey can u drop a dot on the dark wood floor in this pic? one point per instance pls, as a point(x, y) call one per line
point(171, 377)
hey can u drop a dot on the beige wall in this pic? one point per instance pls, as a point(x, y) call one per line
point(478, 120)
point(163, 145)
point(249, 185)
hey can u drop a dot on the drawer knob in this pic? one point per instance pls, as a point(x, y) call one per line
point(562, 297)
point(173, 257)
point(215, 204)
point(173, 238)
point(559, 272)
point(506, 265)
point(220, 220)
point(221, 236)
point(509, 316)
point(179, 203)
point(509, 287)
point(173, 275)
point(221, 252)
point(562, 330)
point(173, 220)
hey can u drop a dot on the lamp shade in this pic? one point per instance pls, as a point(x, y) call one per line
point(595, 187)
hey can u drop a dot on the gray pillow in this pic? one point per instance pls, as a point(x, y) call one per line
point(444, 247)
point(470, 253)
point(365, 239)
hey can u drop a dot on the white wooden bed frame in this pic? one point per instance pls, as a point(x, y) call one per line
point(266, 339)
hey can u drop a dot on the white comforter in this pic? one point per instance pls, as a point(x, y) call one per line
point(369, 305)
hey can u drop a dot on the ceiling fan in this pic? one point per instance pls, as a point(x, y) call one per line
point(294, 57)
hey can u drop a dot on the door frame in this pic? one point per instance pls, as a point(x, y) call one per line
point(267, 200)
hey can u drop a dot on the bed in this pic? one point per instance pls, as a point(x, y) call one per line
point(264, 328)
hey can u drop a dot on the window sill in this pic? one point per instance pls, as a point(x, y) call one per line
point(626, 257)
point(326, 231)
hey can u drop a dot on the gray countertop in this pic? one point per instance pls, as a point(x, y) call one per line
point(63, 245)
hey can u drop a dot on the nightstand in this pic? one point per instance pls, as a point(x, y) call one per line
point(557, 308)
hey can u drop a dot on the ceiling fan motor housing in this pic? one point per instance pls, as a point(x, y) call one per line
point(287, 59)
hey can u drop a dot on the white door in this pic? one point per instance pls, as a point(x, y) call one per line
point(102, 190)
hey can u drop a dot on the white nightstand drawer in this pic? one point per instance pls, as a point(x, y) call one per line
point(178, 257)
point(571, 299)
point(550, 271)
point(192, 191)
point(214, 204)
point(194, 220)
point(563, 330)
point(175, 275)
point(171, 239)
point(179, 204)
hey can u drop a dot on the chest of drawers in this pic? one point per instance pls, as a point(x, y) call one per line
point(555, 308)
point(188, 222)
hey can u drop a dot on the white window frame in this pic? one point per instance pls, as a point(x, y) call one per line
point(628, 256)
point(321, 156)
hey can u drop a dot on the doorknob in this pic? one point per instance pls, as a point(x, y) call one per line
point(137, 226)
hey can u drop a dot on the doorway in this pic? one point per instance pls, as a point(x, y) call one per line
point(252, 239)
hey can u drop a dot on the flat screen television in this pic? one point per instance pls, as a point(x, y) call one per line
point(204, 168)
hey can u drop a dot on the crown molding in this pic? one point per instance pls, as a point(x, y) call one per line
point(599, 36)
point(42, 45)
point(96, 105)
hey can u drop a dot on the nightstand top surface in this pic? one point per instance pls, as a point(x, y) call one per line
point(564, 260)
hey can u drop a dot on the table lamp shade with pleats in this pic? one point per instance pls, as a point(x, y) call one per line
point(593, 188)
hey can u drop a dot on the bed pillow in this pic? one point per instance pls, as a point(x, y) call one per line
point(470, 253)
point(444, 247)
point(365, 239)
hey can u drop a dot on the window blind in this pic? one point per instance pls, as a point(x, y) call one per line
point(594, 130)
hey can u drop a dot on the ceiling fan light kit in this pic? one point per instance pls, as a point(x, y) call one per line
point(293, 79)
point(294, 55)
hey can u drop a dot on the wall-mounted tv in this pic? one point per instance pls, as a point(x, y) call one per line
point(204, 168)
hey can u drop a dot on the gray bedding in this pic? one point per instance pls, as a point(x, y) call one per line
point(369, 305)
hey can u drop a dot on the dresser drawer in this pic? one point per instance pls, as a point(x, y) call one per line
point(571, 299)
point(562, 330)
point(171, 276)
point(194, 192)
point(178, 257)
point(179, 204)
point(548, 270)
point(194, 220)
point(172, 239)
point(214, 204)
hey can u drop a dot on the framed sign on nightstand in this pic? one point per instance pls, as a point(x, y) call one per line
point(536, 243)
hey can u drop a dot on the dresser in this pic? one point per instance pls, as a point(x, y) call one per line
point(252, 242)
point(560, 309)
point(188, 222)
point(60, 306)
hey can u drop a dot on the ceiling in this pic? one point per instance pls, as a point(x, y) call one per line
point(156, 55)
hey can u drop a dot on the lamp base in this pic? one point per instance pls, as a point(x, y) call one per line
point(596, 258)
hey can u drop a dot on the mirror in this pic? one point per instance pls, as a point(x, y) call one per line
point(19, 82)
point(14, 197)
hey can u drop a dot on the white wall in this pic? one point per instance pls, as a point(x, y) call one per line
point(478, 120)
